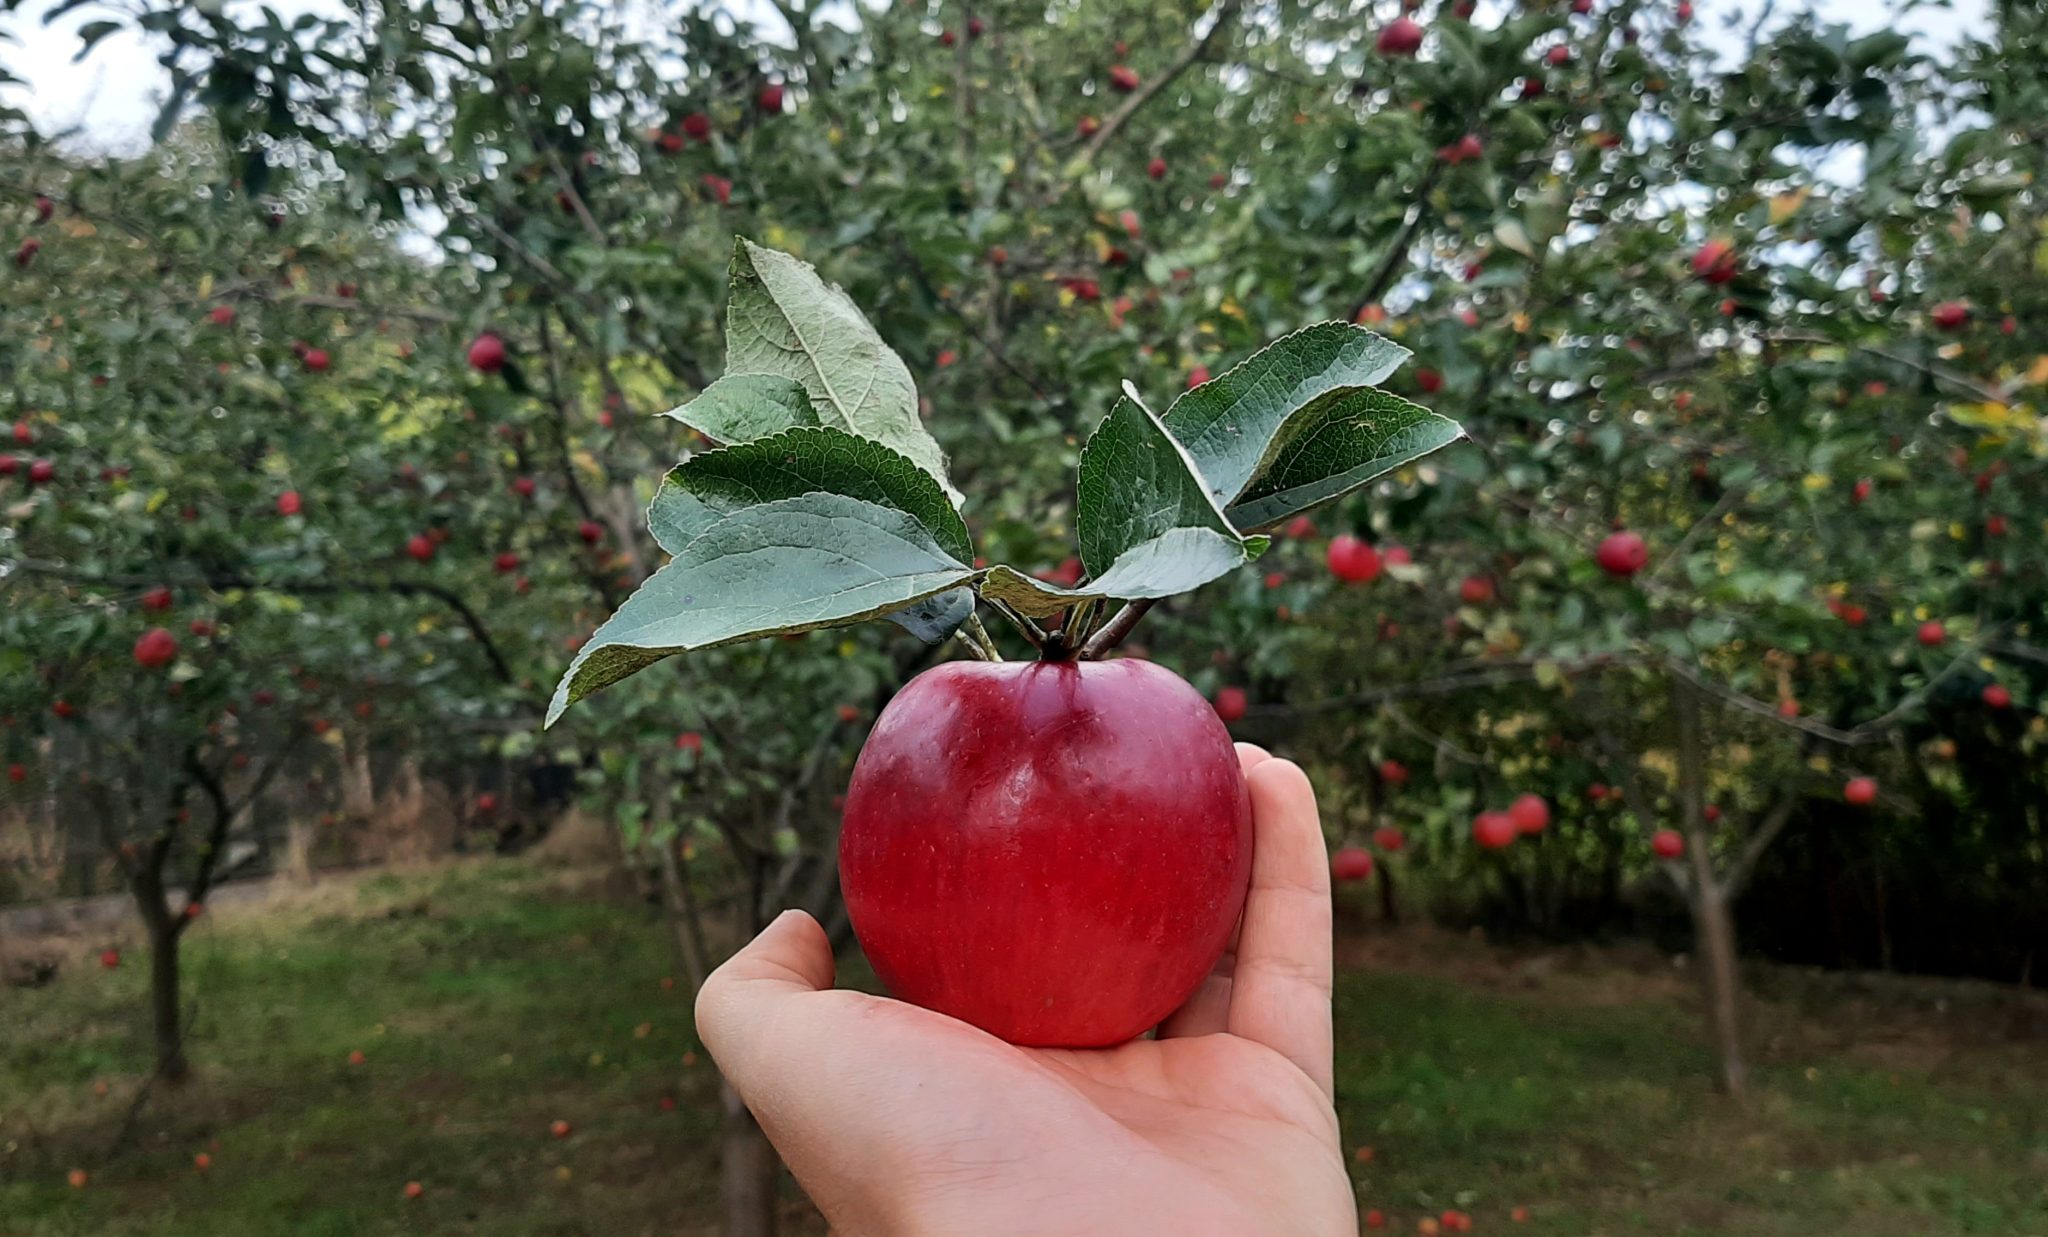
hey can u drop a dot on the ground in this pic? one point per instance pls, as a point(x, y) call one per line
point(491, 998)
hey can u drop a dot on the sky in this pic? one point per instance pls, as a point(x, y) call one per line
point(109, 100)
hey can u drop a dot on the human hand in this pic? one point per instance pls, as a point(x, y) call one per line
point(900, 1121)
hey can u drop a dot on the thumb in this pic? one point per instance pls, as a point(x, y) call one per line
point(739, 1005)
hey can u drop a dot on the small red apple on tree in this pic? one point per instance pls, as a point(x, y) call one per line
point(1860, 791)
point(1352, 863)
point(1352, 560)
point(288, 503)
point(1622, 554)
point(1475, 590)
point(1715, 262)
point(1123, 79)
point(1950, 315)
point(1932, 634)
point(1393, 772)
point(558, 1129)
point(157, 599)
point(1531, 814)
point(1389, 839)
point(487, 353)
point(420, 547)
point(1997, 696)
point(1667, 843)
point(1400, 37)
point(770, 98)
point(1156, 169)
point(1230, 703)
point(110, 958)
point(155, 649)
point(1494, 830)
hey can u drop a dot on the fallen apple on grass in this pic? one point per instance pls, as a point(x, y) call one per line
point(1055, 850)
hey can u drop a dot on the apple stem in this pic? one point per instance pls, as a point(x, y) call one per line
point(1113, 632)
point(1028, 629)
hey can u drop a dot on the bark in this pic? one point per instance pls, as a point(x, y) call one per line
point(1721, 980)
point(1390, 909)
point(1709, 898)
point(748, 1171)
point(163, 972)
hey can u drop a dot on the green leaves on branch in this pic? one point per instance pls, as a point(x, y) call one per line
point(791, 565)
point(1301, 422)
point(830, 504)
point(784, 320)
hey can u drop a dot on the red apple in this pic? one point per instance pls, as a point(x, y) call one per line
point(1532, 88)
point(1667, 843)
point(1197, 376)
point(689, 741)
point(1475, 590)
point(975, 27)
point(202, 1161)
point(1854, 615)
point(27, 253)
point(1582, 7)
point(1156, 169)
point(110, 958)
point(849, 713)
point(1230, 703)
point(1683, 12)
point(1932, 634)
point(697, 125)
point(1994, 525)
point(414, 1189)
point(506, 562)
point(1530, 813)
point(1950, 315)
point(1861, 491)
point(1352, 560)
point(717, 186)
point(1715, 262)
point(770, 97)
point(1558, 56)
point(420, 547)
point(1389, 839)
point(77, 1178)
point(1494, 830)
point(487, 802)
point(356, 1057)
point(156, 649)
point(315, 360)
point(1123, 79)
point(1393, 773)
point(1351, 864)
point(1396, 556)
point(1429, 380)
point(44, 208)
point(1400, 37)
point(1622, 554)
point(9, 465)
point(1996, 696)
point(63, 708)
point(1103, 799)
point(523, 486)
point(1860, 791)
point(158, 599)
point(487, 353)
point(288, 503)
point(1088, 126)
point(17, 773)
point(1301, 527)
point(1377, 1218)
point(559, 1129)
point(591, 531)
point(42, 472)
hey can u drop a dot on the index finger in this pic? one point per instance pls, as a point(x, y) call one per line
point(1280, 993)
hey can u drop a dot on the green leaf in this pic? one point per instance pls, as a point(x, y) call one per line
point(711, 485)
point(784, 320)
point(1344, 439)
point(818, 560)
point(1160, 567)
point(933, 618)
point(1235, 423)
point(738, 407)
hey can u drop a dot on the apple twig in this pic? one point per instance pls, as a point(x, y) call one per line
point(1116, 120)
point(1112, 633)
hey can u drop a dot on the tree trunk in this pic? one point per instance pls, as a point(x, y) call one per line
point(163, 974)
point(1713, 921)
point(1390, 910)
point(748, 1171)
point(300, 838)
point(1721, 982)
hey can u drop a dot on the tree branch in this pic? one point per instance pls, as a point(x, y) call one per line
point(1145, 93)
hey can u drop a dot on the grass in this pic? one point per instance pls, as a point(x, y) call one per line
point(491, 998)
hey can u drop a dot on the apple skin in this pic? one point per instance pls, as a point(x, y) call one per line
point(1667, 843)
point(1055, 852)
point(1622, 554)
point(1352, 560)
point(1351, 864)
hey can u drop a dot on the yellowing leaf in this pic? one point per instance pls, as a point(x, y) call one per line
point(1786, 205)
point(2037, 373)
point(205, 285)
point(1816, 481)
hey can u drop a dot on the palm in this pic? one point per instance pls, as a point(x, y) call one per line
point(904, 1120)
